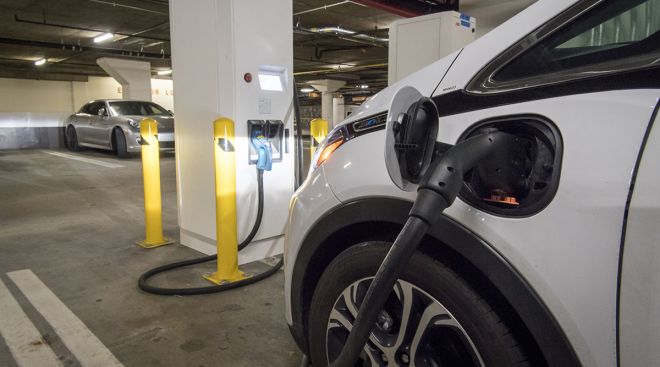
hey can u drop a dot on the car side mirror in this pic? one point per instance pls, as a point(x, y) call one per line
point(102, 112)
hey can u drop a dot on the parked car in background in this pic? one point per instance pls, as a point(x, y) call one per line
point(115, 125)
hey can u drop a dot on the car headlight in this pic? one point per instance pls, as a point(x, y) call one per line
point(343, 133)
point(325, 149)
point(134, 124)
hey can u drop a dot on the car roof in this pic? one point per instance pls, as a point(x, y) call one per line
point(118, 100)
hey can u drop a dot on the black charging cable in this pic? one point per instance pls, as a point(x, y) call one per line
point(142, 282)
point(436, 192)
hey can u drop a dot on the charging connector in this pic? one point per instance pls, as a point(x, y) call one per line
point(437, 191)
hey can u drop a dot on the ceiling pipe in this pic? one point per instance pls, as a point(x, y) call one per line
point(319, 52)
point(390, 8)
point(126, 35)
point(324, 7)
point(114, 3)
point(344, 34)
point(410, 8)
point(341, 70)
point(105, 50)
point(342, 63)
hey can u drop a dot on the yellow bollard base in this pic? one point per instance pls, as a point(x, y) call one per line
point(224, 279)
point(166, 241)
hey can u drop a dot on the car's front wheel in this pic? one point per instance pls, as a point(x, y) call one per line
point(433, 316)
point(72, 139)
point(119, 143)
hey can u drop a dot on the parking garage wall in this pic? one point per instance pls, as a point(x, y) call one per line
point(32, 112)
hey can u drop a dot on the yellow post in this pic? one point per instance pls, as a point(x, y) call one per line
point(153, 216)
point(318, 129)
point(225, 204)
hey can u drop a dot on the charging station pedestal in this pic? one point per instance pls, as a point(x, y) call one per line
point(234, 59)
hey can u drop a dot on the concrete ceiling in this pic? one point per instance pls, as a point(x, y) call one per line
point(62, 31)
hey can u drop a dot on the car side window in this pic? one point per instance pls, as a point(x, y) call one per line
point(616, 30)
point(95, 107)
point(590, 39)
point(85, 108)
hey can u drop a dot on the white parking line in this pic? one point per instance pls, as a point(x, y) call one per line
point(83, 159)
point(84, 345)
point(23, 339)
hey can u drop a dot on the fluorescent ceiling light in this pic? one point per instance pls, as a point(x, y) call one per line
point(165, 72)
point(270, 82)
point(363, 86)
point(307, 90)
point(103, 37)
point(40, 62)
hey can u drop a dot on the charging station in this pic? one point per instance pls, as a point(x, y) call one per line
point(246, 75)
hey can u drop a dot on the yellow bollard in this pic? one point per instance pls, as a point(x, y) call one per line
point(318, 129)
point(225, 204)
point(153, 216)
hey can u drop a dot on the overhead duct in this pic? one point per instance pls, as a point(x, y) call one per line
point(345, 34)
point(124, 35)
point(100, 50)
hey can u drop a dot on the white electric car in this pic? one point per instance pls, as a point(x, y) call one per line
point(551, 255)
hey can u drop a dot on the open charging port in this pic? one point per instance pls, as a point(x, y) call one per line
point(519, 181)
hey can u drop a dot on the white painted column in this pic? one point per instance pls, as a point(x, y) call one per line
point(326, 106)
point(337, 110)
point(134, 76)
point(327, 87)
point(217, 75)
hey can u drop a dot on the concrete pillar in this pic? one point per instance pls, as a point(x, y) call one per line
point(327, 87)
point(337, 110)
point(134, 76)
point(326, 106)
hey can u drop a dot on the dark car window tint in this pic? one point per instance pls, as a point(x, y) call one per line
point(617, 30)
point(92, 108)
point(133, 108)
point(95, 107)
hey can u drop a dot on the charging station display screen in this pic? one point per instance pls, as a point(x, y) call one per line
point(270, 82)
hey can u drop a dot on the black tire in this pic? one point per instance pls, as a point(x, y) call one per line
point(72, 139)
point(491, 338)
point(119, 140)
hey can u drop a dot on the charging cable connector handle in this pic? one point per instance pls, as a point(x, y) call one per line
point(265, 153)
point(436, 192)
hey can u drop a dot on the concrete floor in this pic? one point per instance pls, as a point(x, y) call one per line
point(74, 224)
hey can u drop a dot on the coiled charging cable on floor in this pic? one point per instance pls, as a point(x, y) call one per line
point(142, 282)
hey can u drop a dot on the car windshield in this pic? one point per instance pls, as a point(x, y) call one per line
point(133, 108)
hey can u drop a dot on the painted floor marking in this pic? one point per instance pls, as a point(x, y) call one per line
point(84, 345)
point(83, 159)
point(25, 342)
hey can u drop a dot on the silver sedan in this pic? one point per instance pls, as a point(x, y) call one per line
point(115, 125)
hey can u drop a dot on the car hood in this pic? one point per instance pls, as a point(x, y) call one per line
point(164, 122)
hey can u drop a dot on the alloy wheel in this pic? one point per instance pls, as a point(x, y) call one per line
point(413, 329)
